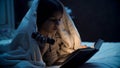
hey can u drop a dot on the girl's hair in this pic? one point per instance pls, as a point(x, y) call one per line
point(45, 9)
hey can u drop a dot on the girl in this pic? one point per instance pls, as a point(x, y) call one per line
point(49, 19)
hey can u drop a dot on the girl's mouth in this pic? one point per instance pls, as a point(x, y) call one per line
point(55, 28)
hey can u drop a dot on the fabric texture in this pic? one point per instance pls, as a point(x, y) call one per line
point(24, 51)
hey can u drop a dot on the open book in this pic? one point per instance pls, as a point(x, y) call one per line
point(80, 56)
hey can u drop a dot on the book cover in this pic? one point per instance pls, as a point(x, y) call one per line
point(80, 56)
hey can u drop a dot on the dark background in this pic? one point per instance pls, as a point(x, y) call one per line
point(93, 18)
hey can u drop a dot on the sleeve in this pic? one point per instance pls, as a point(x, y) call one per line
point(22, 50)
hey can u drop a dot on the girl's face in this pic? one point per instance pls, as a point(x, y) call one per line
point(51, 25)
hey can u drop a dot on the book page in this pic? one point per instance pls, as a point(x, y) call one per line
point(98, 44)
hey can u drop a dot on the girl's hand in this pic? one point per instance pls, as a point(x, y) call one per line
point(83, 46)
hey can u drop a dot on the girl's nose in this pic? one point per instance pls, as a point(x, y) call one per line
point(57, 22)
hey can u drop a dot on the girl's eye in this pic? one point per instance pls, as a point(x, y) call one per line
point(55, 20)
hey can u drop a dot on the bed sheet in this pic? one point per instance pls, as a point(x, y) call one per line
point(107, 57)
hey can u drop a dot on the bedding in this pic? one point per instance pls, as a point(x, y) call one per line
point(107, 57)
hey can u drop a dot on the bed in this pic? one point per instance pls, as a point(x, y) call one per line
point(107, 57)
